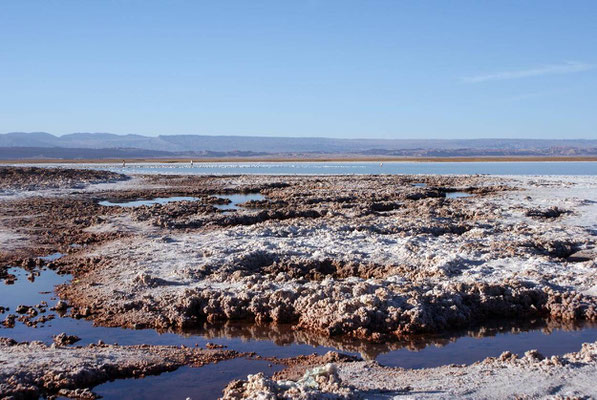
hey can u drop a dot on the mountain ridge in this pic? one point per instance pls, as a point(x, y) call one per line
point(197, 143)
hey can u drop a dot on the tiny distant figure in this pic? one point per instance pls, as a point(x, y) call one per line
point(191, 163)
point(123, 163)
point(381, 164)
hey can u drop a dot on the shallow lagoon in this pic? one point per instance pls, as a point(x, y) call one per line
point(349, 167)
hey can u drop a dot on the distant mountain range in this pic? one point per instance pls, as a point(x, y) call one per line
point(37, 145)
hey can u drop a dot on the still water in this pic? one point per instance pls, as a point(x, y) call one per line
point(347, 168)
point(460, 347)
point(207, 382)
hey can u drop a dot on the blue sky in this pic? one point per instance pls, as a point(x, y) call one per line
point(384, 69)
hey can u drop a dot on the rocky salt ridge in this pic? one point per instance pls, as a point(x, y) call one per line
point(571, 376)
point(19, 179)
point(318, 383)
point(32, 369)
point(423, 264)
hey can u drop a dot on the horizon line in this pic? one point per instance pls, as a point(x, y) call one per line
point(297, 137)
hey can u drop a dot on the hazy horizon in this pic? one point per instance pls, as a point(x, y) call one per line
point(303, 137)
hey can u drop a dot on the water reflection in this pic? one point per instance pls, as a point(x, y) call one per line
point(206, 382)
point(234, 201)
point(237, 199)
point(416, 351)
point(457, 195)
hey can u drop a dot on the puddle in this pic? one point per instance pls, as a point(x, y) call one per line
point(52, 257)
point(204, 383)
point(467, 349)
point(25, 292)
point(461, 347)
point(419, 184)
point(236, 199)
point(138, 203)
point(457, 195)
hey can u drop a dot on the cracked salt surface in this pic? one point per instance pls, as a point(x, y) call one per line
point(166, 269)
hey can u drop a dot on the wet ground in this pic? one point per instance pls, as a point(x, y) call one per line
point(423, 351)
point(138, 203)
point(207, 382)
point(179, 223)
point(236, 199)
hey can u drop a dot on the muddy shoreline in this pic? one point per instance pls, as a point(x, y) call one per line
point(568, 376)
point(33, 369)
point(374, 258)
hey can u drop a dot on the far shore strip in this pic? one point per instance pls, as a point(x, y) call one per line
point(300, 159)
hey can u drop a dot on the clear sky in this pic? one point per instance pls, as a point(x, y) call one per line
point(385, 69)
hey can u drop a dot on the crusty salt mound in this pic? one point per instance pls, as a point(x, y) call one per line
point(368, 257)
point(371, 257)
point(33, 178)
point(318, 383)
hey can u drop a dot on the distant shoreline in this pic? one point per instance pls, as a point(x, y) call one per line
point(301, 159)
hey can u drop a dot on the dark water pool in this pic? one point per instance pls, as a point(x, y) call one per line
point(235, 200)
point(204, 383)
